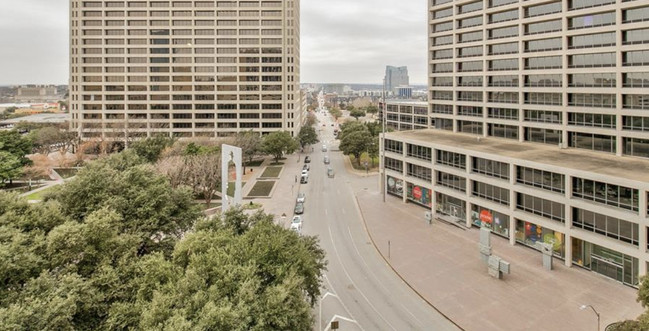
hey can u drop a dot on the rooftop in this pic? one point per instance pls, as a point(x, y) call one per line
point(631, 168)
point(407, 102)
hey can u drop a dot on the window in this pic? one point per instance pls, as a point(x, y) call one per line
point(505, 80)
point(636, 79)
point(635, 123)
point(442, 81)
point(541, 45)
point(636, 147)
point(503, 131)
point(579, 4)
point(469, 22)
point(451, 181)
point(506, 32)
point(469, 127)
point(635, 15)
point(592, 80)
point(592, 40)
point(542, 207)
point(503, 97)
point(633, 37)
point(592, 120)
point(420, 152)
point(635, 58)
point(606, 225)
point(504, 64)
point(443, 67)
point(591, 20)
point(592, 100)
point(419, 172)
point(393, 146)
point(442, 95)
point(592, 60)
point(491, 192)
point(604, 193)
point(470, 7)
point(490, 168)
point(443, 40)
point(635, 101)
point(506, 48)
point(497, 3)
point(503, 113)
point(469, 81)
point(442, 13)
point(469, 111)
point(543, 116)
point(442, 109)
point(469, 37)
point(469, 66)
point(545, 9)
point(541, 179)
point(451, 159)
point(543, 80)
point(545, 136)
point(545, 62)
point(445, 26)
point(594, 142)
point(469, 96)
point(543, 27)
point(443, 54)
point(469, 51)
point(538, 98)
point(503, 16)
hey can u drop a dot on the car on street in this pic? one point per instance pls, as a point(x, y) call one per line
point(326, 159)
point(307, 159)
point(299, 208)
point(306, 167)
point(301, 197)
point(324, 148)
point(304, 179)
point(330, 172)
point(296, 224)
point(305, 172)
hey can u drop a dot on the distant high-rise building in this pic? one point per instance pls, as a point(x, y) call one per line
point(37, 93)
point(184, 68)
point(395, 77)
point(541, 128)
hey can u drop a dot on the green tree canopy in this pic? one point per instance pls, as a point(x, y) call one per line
point(16, 144)
point(356, 113)
point(355, 140)
point(150, 149)
point(372, 109)
point(279, 143)
point(336, 112)
point(307, 136)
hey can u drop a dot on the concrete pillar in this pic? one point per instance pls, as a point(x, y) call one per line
point(568, 223)
point(512, 204)
point(568, 250)
point(467, 215)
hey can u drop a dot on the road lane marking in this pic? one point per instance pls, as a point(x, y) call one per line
point(411, 314)
point(353, 283)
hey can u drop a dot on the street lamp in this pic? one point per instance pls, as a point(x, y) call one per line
point(595, 311)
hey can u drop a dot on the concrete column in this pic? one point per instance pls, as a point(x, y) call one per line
point(469, 168)
point(467, 215)
point(512, 204)
point(568, 250)
point(568, 223)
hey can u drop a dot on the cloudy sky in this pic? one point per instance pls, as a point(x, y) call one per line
point(343, 41)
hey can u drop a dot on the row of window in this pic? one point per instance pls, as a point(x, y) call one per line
point(157, 4)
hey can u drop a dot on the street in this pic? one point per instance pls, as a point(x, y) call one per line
point(360, 291)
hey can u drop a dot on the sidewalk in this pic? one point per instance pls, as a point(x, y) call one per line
point(441, 262)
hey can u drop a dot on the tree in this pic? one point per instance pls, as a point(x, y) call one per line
point(356, 142)
point(279, 143)
point(336, 112)
point(250, 144)
point(203, 175)
point(311, 119)
point(17, 145)
point(350, 108)
point(373, 149)
point(307, 136)
point(10, 167)
point(356, 113)
point(642, 322)
point(150, 149)
point(372, 109)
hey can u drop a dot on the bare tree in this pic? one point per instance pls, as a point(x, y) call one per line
point(202, 173)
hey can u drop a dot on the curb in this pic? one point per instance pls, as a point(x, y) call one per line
point(358, 206)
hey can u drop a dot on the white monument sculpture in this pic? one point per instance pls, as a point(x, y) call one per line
point(230, 154)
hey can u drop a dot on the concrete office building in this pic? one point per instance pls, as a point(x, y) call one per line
point(395, 77)
point(184, 68)
point(403, 115)
point(541, 132)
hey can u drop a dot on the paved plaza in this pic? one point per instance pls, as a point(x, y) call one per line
point(441, 262)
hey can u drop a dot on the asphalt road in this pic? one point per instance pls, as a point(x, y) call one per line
point(360, 291)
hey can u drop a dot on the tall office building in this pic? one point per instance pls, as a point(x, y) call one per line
point(184, 68)
point(542, 133)
point(395, 77)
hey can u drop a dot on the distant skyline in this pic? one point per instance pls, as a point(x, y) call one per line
point(341, 41)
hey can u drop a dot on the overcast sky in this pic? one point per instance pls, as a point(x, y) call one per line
point(343, 41)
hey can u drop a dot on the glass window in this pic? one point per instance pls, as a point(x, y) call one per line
point(545, 136)
point(592, 40)
point(469, 22)
point(592, 100)
point(503, 113)
point(451, 159)
point(609, 194)
point(592, 120)
point(538, 98)
point(490, 168)
point(442, 95)
point(469, 37)
point(442, 109)
point(504, 80)
point(497, 222)
point(529, 234)
point(543, 116)
point(443, 54)
point(469, 66)
point(542, 207)
point(469, 51)
point(636, 79)
point(469, 7)
point(636, 147)
point(592, 80)
point(446, 12)
point(593, 142)
point(419, 172)
point(592, 60)
point(444, 26)
point(545, 62)
point(541, 45)
point(506, 48)
point(469, 127)
point(490, 192)
point(443, 67)
point(635, 101)
point(543, 80)
point(638, 36)
point(420, 152)
point(544, 9)
point(635, 58)
point(591, 20)
point(503, 97)
point(393, 146)
point(451, 181)
point(469, 81)
point(635, 14)
point(543, 27)
point(541, 179)
point(442, 81)
point(469, 111)
point(504, 16)
point(443, 40)
point(635, 123)
point(503, 131)
point(504, 64)
point(508, 31)
point(579, 4)
point(393, 164)
point(469, 96)
point(496, 3)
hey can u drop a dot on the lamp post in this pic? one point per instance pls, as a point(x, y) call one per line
point(595, 311)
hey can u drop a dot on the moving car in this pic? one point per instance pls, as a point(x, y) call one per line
point(324, 148)
point(299, 208)
point(330, 172)
point(306, 167)
point(326, 159)
point(301, 197)
point(307, 159)
point(304, 179)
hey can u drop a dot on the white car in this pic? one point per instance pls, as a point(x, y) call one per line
point(305, 172)
point(301, 197)
point(324, 148)
point(296, 223)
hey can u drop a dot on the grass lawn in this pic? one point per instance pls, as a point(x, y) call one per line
point(364, 158)
point(40, 194)
point(254, 163)
point(231, 188)
point(271, 172)
point(262, 188)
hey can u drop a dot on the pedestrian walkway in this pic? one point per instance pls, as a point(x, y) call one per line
point(441, 262)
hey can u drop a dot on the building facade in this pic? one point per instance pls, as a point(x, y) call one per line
point(540, 127)
point(184, 68)
point(395, 77)
point(405, 115)
point(35, 93)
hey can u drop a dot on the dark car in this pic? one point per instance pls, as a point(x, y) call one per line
point(307, 159)
point(299, 208)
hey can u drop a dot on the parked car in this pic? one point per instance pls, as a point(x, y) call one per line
point(305, 172)
point(324, 148)
point(299, 208)
point(296, 224)
point(301, 197)
point(330, 172)
point(304, 179)
point(326, 159)
point(307, 159)
point(306, 167)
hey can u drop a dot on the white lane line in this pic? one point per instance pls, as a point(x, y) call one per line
point(411, 314)
point(353, 283)
point(339, 300)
